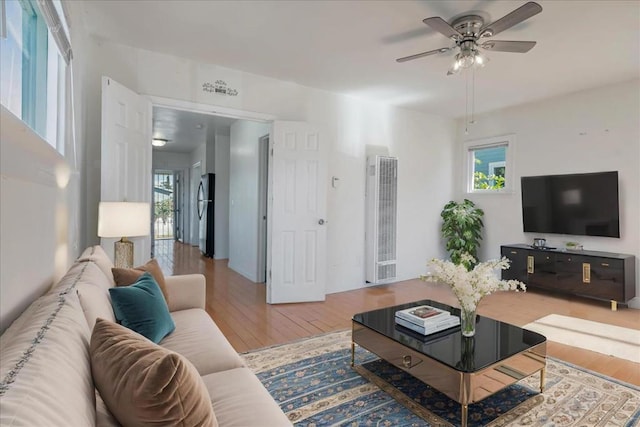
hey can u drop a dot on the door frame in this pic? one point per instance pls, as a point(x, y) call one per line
point(241, 115)
point(216, 110)
point(182, 221)
point(264, 188)
point(196, 107)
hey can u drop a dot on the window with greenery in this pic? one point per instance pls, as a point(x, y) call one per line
point(35, 50)
point(486, 176)
point(488, 165)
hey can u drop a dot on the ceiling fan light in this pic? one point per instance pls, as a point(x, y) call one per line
point(159, 142)
point(480, 59)
point(467, 60)
point(456, 66)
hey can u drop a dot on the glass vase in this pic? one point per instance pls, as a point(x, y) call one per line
point(468, 322)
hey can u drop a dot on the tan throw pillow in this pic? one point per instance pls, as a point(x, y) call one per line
point(128, 276)
point(144, 384)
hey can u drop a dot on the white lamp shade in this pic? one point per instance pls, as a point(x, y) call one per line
point(124, 219)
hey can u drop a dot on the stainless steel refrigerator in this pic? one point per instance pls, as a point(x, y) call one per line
point(206, 197)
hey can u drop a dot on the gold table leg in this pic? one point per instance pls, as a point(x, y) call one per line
point(463, 418)
point(543, 374)
point(614, 305)
point(353, 353)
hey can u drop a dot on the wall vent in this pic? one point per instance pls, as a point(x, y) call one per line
point(381, 219)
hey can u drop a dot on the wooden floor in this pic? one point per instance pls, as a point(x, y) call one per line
point(238, 307)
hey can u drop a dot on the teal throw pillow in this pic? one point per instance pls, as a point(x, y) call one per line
point(142, 308)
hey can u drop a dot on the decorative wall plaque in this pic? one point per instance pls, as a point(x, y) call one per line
point(219, 87)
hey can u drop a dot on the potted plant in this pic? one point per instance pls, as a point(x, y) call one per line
point(462, 230)
point(469, 280)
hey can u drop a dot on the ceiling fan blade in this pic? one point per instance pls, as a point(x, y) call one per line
point(522, 13)
point(443, 27)
point(508, 46)
point(423, 54)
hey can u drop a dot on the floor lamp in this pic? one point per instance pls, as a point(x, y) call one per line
point(123, 219)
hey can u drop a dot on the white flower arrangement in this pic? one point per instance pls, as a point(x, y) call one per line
point(470, 286)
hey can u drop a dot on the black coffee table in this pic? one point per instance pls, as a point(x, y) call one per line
point(467, 370)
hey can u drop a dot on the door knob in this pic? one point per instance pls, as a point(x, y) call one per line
point(321, 221)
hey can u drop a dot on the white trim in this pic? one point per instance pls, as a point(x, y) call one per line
point(3, 20)
point(502, 140)
point(57, 28)
point(494, 165)
point(196, 107)
point(263, 185)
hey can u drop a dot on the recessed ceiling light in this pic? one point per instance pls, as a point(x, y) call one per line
point(159, 142)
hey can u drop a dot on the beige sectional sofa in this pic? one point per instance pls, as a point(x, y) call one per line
point(45, 367)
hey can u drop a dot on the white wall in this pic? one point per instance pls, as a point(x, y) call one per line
point(221, 226)
point(210, 151)
point(243, 196)
point(589, 131)
point(195, 176)
point(43, 205)
point(200, 155)
point(423, 143)
point(38, 218)
point(171, 161)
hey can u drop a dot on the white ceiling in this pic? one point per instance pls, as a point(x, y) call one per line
point(185, 130)
point(351, 46)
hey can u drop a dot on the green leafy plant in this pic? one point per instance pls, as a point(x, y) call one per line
point(462, 230)
point(164, 209)
point(482, 181)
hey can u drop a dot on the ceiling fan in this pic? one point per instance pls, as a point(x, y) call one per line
point(468, 32)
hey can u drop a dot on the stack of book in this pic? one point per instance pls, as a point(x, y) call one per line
point(426, 319)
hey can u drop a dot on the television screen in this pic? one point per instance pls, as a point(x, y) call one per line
point(579, 204)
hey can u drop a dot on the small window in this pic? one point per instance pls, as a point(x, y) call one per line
point(32, 77)
point(488, 165)
point(11, 51)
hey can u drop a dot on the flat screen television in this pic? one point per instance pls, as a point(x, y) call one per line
point(583, 204)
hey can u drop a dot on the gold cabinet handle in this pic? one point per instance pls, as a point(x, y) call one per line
point(514, 252)
point(586, 272)
point(604, 264)
point(530, 264)
point(406, 361)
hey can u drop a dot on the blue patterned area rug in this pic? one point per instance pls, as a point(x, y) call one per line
point(314, 384)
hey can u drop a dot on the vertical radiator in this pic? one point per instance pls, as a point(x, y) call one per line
point(381, 219)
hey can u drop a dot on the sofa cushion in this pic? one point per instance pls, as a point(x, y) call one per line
point(239, 399)
point(97, 255)
point(144, 384)
point(93, 291)
point(128, 276)
point(198, 339)
point(186, 291)
point(45, 375)
point(141, 307)
point(104, 417)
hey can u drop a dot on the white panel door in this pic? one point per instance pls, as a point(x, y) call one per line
point(298, 232)
point(126, 155)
